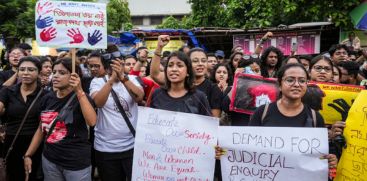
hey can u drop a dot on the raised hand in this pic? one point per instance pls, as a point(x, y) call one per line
point(48, 34)
point(95, 38)
point(43, 23)
point(76, 36)
point(163, 40)
point(45, 8)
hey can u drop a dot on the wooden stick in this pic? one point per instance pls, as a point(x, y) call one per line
point(73, 59)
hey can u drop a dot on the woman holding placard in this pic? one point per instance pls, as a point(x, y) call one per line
point(178, 93)
point(289, 111)
point(64, 119)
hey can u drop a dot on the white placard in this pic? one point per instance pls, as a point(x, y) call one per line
point(273, 153)
point(71, 24)
point(174, 146)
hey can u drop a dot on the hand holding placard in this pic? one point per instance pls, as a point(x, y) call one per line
point(76, 36)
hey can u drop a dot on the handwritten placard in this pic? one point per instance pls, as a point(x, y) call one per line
point(71, 24)
point(353, 163)
point(273, 154)
point(174, 146)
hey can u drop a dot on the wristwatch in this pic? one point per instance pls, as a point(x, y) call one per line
point(125, 79)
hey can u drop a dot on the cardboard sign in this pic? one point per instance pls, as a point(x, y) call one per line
point(174, 146)
point(353, 163)
point(251, 91)
point(332, 100)
point(273, 153)
point(338, 99)
point(71, 24)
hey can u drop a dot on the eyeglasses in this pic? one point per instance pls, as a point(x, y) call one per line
point(319, 68)
point(113, 55)
point(97, 66)
point(290, 81)
point(29, 69)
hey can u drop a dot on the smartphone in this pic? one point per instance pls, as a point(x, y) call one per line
point(294, 47)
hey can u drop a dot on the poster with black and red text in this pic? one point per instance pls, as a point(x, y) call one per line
point(174, 146)
point(70, 24)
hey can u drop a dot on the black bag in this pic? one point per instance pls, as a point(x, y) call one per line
point(3, 176)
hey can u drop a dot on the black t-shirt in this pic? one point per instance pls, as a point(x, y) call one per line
point(236, 118)
point(68, 145)
point(192, 102)
point(212, 92)
point(274, 118)
point(5, 75)
point(15, 109)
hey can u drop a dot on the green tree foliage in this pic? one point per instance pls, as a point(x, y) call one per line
point(264, 13)
point(118, 16)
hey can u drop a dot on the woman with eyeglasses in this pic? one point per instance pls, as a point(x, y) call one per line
point(9, 76)
point(321, 69)
point(289, 111)
point(14, 103)
point(114, 141)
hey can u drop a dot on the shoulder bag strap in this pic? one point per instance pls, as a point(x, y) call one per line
point(58, 116)
point(264, 113)
point(22, 123)
point(122, 111)
point(313, 113)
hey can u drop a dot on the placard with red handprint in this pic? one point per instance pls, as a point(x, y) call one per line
point(71, 24)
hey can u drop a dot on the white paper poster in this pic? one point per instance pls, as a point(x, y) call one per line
point(174, 146)
point(273, 153)
point(71, 24)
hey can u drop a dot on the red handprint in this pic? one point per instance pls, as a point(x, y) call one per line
point(45, 8)
point(48, 34)
point(76, 36)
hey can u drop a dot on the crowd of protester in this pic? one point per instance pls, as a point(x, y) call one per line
point(85, 120)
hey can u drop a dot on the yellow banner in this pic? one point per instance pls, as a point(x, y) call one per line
point(338, 98)
point(353, 163)
point(173, 45)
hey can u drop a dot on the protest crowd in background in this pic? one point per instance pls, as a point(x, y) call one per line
point(91, 137)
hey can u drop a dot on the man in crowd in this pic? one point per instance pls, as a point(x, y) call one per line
point(220, 56)
point(338, 53)
point(271, 60)
point(349, 72)
point(212, 60)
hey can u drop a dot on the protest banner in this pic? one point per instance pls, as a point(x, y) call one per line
point(353, 162)
point(173, 45)
point(250, 92)
point(337, 101)
point(273, 154)
point(70, 24)
point(307, 42)
point(332, 100)
point(174, 146)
